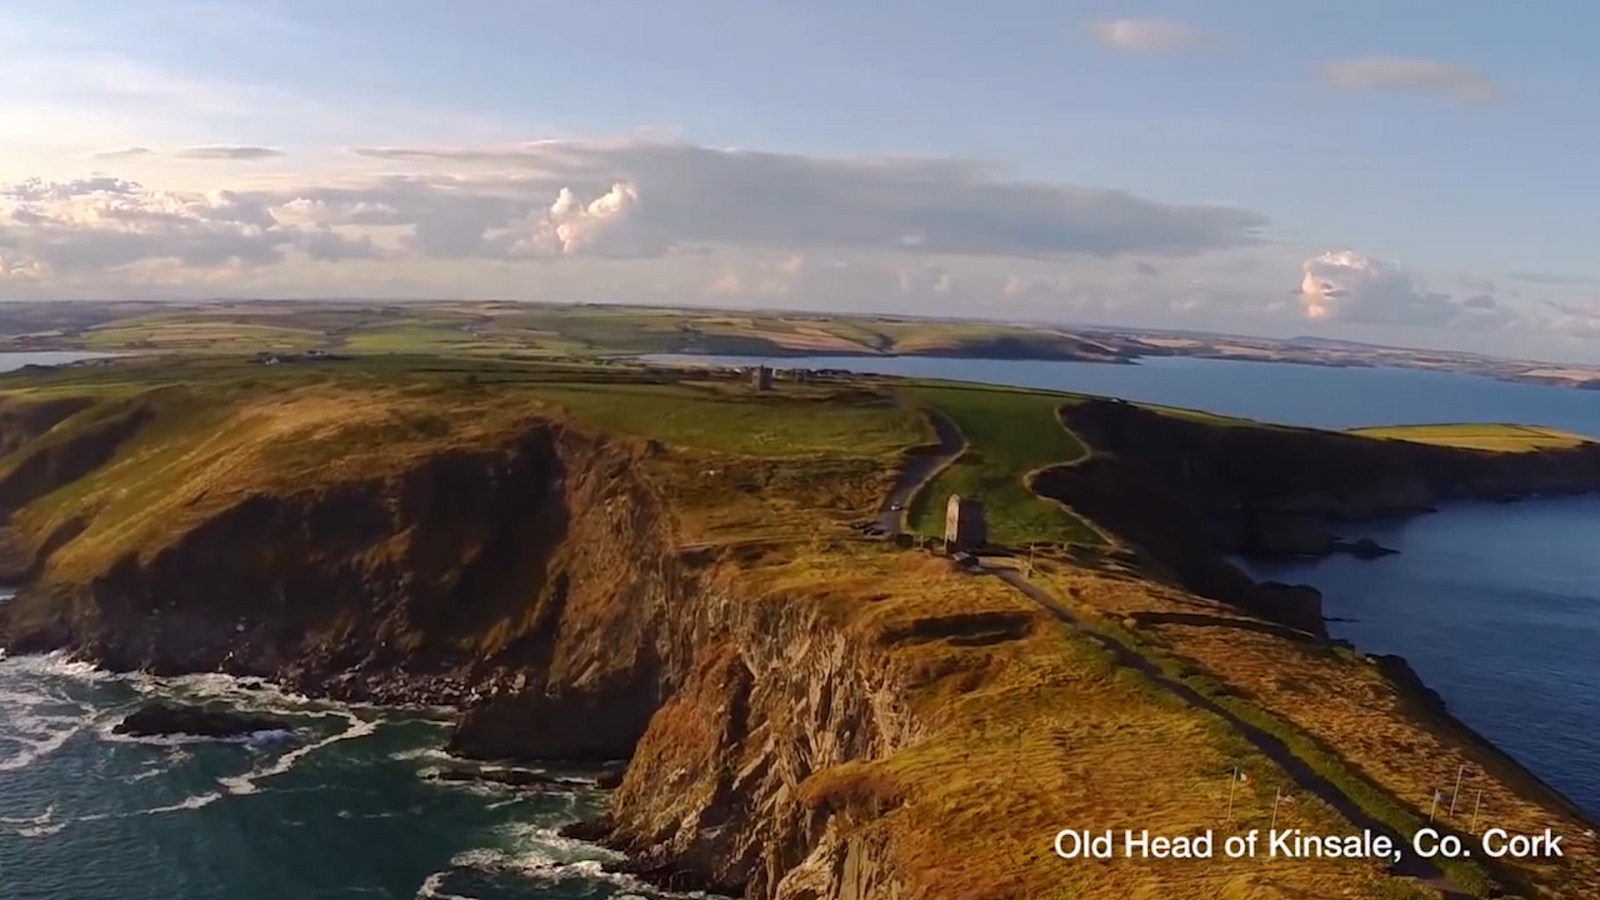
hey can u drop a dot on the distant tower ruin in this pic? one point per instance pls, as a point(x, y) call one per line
point(761, 378)
point(963, 524)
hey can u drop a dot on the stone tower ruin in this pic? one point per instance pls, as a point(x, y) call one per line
point(964, 527)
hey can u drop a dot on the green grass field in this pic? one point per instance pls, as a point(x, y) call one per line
point(1010, 434)
point(1500, 438)
point(534, 330)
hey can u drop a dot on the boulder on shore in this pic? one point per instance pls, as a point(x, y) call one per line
point(162, 717)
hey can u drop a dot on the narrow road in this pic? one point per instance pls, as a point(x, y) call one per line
point(892, 518)
point(1273, 748)
point(918, 469)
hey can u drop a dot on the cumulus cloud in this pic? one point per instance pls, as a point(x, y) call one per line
point(680, 193)
point(1145, 35)
point(889, 234)
point(569, 227)
point(103, 223)
point(1410, 74)
point(1345, 286)
point(223, 152)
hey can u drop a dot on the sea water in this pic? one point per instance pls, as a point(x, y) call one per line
point(342, 807)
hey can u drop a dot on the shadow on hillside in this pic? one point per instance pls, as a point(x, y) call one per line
point(1197, 620)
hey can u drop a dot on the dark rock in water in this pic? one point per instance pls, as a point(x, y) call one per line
point(610, 778)
point(672, 875)
point(511, 777)
point(594, 831)
point(1365, 548)
point(162, 717)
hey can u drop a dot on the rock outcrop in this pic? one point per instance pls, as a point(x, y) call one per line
point(161, 718)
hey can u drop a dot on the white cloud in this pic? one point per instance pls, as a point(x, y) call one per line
point(100, 224)
point(569, 227)
point(1411, 74)
point(655, 221)
point(683, 193)
point(1345, 286)
point(1145, 35)
point(221, 152)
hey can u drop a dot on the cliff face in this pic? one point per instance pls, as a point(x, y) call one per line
point(459, 574)
point(537, 584)
point(1189, 491)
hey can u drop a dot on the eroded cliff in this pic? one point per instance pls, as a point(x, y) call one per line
point(1190, 490)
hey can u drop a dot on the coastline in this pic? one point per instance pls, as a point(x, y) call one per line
point(772, 697)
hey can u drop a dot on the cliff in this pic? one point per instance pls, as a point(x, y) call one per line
point(807, 715)
point(1190, 489)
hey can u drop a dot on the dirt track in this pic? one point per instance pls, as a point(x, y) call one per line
point(1306, 777)
point(892, 516)
point(918, 469)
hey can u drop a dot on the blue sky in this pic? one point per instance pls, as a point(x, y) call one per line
point(1448, 144)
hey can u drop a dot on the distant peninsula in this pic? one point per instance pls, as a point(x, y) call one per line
point(590, 331)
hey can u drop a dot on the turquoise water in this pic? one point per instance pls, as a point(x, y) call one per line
point(1496, 606)
point(347, 812)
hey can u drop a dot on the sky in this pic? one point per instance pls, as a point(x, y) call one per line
point(1414, 172)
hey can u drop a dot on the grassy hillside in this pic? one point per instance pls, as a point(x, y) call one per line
point(1029, 726)
point(538, 331)
point(1009, 434)
point(1498, 438)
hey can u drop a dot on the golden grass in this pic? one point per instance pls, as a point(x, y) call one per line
point(1028, 728)
point(1500, 438)
point(1338, 699)
point(796, 464)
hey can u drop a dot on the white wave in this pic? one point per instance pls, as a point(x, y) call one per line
point(40, 819)
point(550, 842)
point(421, 753)
point(433, 889)
point(246, 783)
point(60, 664)
point(41, 830)
point(146, 774)
point(37, 714)
point(195, 802)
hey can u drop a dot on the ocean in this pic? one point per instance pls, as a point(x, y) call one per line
point(1497, 606)
point(345, 812)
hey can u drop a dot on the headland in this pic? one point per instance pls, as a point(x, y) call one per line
point(594, 562)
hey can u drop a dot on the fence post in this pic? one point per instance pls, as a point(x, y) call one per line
point(1232, 786)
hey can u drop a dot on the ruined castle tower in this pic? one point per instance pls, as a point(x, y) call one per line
point(964, 527)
